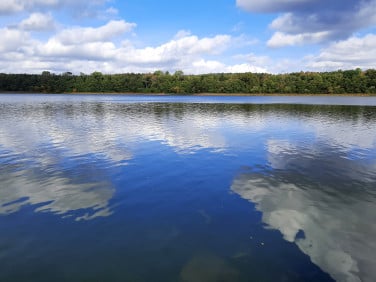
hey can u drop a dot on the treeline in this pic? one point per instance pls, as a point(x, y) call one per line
point(337, 82)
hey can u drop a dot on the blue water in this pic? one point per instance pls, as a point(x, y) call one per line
point(175, 188)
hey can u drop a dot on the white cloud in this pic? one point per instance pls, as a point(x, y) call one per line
point(107, 48)
point(38, 22)
point(10, 6)
point(179, 53)
point(85, 51)
point(80, 35)
point(89, 49)
point(181, 34)
point(110, 47)
point(213, 45)
point(280, 39)
point(79, 44)
point(207, 66)
point(245, 68)
point(96, 44)
point(212, 66)
point(347, 54)
point(115, 47)
point(12, 39)
point(187, 53)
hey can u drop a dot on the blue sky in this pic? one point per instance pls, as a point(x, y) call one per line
point(196, 36)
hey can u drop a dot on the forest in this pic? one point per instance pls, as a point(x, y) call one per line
point(336, 82)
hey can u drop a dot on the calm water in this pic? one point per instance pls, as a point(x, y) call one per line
point(119, 188)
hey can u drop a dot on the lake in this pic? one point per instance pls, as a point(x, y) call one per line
point(186, 188)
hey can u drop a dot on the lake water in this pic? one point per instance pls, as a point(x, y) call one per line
point(146, 188)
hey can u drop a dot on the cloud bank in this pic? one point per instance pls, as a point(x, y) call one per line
point(39, 41)
point(76, 36)
point(355, 52)
point(105, 48)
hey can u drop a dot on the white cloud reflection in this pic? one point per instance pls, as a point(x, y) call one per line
point(42, 138)
point(48, 134)
point(54, 193)
point(331, 199)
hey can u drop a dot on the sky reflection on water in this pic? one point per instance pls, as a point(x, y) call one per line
point(334, 212)
point(166, 170)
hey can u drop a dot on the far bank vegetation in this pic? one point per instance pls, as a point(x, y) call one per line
point(336, 82)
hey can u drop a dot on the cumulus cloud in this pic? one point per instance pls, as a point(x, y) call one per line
point(212, 66)
point(355, 52)
point(7, 7)
point(87, 49)
point(185, 52)
point(280, 39)
point(89, 34)
point(207, 66)
point(13, 39)
point(38, 22)
point(314, 21)
point(245, 68)
point(177, 49)
point(109, 48)
point(80, 43)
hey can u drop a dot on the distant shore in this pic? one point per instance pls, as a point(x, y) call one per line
point(193, 94)
point(284, 94)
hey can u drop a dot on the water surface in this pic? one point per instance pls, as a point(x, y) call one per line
point(145, 188)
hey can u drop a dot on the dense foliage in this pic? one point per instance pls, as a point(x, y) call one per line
point(338, 82)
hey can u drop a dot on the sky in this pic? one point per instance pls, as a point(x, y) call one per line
point(196, 36)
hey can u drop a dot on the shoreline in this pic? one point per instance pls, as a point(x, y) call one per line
point(194, 94)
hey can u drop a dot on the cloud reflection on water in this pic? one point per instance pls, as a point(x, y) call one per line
point(54, 193)
point(43, 136)
point(39, 143)
point(322, 201)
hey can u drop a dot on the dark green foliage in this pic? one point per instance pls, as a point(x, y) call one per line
point(337, 82)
